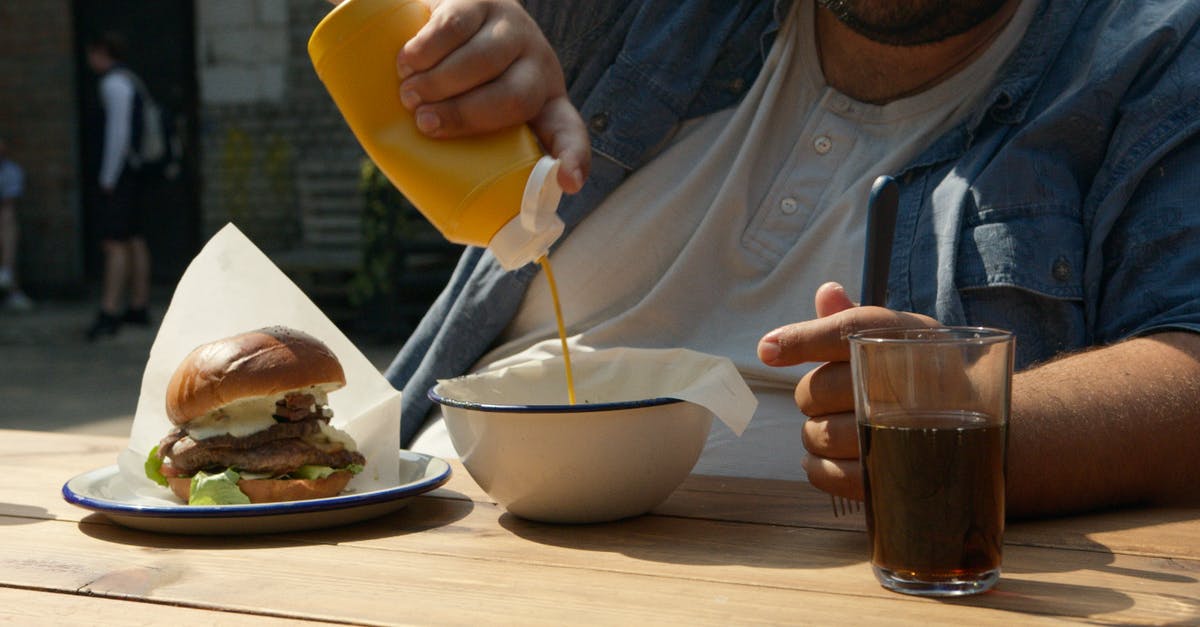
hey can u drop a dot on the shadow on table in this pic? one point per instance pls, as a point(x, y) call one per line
point(1090, 555)
point(1074, 533)
point(17, 514)
point(420, 514)
point(702, 542)
point(1079, 601)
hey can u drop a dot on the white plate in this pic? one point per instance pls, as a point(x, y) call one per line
point(104, 490)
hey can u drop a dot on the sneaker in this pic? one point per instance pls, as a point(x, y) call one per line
point(18, 301)
point(104, 325)
point(139, 316)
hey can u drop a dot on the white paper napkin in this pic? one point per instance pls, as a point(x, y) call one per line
point(616, 374)
point(232, 287)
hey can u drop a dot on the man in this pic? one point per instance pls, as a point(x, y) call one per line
point(120, 218)
point(12, 185)
point(1046, 158)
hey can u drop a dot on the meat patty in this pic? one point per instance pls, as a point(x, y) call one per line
point(277, 458)
point(298, 407)
point(278, 450)
point(178, 444)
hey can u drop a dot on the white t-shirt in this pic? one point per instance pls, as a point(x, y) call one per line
point(728, 233)
point(116, 96)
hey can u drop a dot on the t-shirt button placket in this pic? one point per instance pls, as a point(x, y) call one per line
point(822, 144)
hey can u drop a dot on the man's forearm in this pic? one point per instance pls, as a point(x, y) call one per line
point(1111, 426)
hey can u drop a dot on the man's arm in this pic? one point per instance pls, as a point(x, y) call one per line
point(116, 93)
point(1111, 426)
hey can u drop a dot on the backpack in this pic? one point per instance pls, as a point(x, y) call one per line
point(155, 145)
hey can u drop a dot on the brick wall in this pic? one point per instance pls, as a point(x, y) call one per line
point(38, 119)
point(278, 159)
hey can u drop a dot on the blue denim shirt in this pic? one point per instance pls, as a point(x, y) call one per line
point(1063, 208)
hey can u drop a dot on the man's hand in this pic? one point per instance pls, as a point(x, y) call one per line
point(1115, 425)
point(483, 65)
point(826, 394)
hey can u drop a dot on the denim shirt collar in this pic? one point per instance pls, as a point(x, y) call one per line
point(1009, 99)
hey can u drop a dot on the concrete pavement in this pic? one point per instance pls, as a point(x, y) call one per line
point(51, 379)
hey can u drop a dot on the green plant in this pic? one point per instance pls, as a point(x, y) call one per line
point(388, 221)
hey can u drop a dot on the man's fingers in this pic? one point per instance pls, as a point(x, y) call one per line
point(836, 476)
point(832, 298)
point(476, 62)
point(450, 26)
point(824, 339)
point(505, 102)
point(833, 437)
point(826, 389)
point(561, 130)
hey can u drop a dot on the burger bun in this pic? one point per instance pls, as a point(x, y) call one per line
point(276, 490)
point(265, 362)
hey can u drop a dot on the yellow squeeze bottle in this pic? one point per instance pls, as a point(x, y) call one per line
point(496, 190)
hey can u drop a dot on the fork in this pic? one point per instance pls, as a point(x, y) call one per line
point(881, 228)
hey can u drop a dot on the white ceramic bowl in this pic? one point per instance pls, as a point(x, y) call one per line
point(591, 462)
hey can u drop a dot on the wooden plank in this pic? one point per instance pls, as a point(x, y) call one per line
point(388, 586)
point(765, 569)
point(37, 607)
point(477, 557)
point(35, 464)
point(1151, 531)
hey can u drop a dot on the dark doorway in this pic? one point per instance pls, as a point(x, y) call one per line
point(161, 40)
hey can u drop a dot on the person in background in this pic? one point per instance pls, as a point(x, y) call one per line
point(12, 186)
point(1046, 154)
point(121, 212)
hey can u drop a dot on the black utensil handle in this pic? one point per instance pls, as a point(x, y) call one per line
point(881, 228)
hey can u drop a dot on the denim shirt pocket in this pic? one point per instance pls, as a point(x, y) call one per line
point(1021, 268)
point(1037, 248)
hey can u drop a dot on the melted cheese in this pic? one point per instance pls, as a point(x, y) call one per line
point(339, 436)
point(246, 416)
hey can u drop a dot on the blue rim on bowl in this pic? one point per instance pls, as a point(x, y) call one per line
point(548, 409)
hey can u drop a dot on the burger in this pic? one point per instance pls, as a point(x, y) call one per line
point(252, 422)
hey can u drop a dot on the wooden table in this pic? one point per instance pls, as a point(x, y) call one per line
point(726, 551)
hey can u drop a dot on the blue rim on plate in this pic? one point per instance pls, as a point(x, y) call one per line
point(341, 501)
point(548, 409)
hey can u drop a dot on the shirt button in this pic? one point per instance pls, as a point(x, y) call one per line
point(788, 205)
point(599, 122)
point(1061, 270)
point(822, 144)
point(841, 104)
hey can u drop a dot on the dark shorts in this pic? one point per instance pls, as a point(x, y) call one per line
point(121, 215)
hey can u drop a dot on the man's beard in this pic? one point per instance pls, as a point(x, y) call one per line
point(912, 23)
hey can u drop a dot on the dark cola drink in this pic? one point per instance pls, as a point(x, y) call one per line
point(934, 486)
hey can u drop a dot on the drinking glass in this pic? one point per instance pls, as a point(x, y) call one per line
point(932, 409)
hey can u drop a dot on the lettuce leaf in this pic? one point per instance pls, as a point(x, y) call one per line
point(320, 472)
point(219, 489)
point(311, 472)
point(153, 467)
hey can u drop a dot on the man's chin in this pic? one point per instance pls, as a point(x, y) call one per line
point(915, 23)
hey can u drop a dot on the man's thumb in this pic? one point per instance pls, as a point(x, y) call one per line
point(832, 298)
